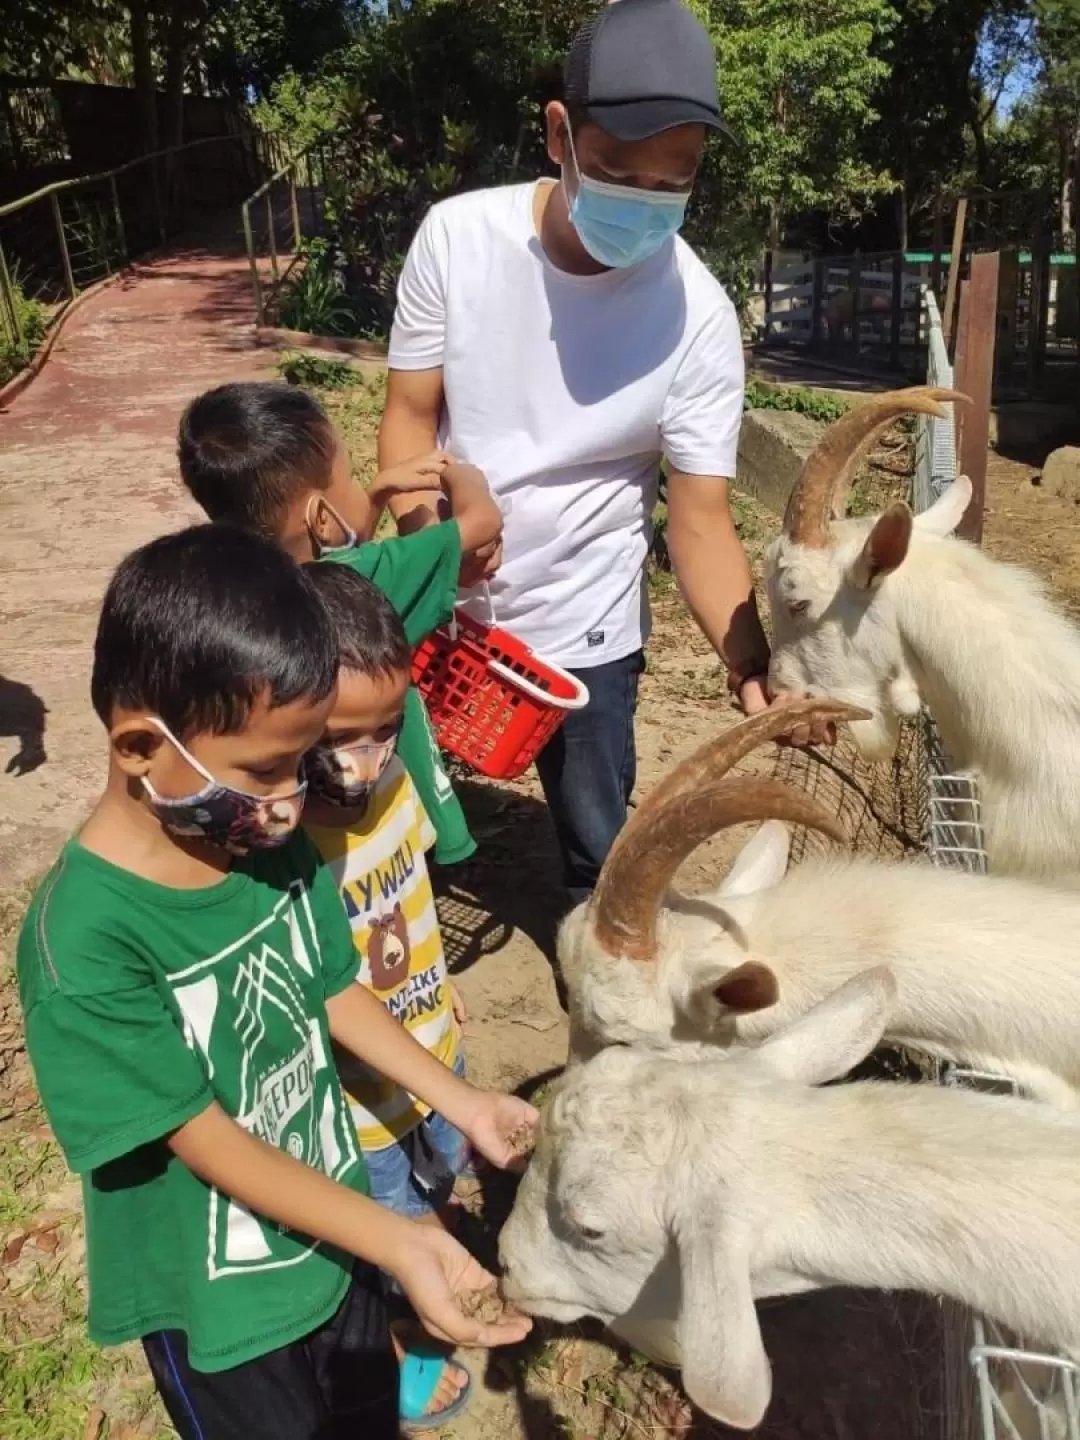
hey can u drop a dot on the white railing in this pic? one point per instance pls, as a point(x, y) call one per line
point(1021, 1394)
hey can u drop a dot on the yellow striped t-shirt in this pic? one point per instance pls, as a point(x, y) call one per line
point(383, 880)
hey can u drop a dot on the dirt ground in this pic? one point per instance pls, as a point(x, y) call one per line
point(846, 1365)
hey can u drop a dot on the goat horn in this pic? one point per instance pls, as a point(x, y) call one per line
point(821, 488)
point(644, 859)
point(712, 761)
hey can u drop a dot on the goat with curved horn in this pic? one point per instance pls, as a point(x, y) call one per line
point(822, 486)
point(644, 860)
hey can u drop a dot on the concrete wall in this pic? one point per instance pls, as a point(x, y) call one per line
point(772, 447)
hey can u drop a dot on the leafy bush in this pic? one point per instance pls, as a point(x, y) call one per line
point(32, 318)
point(302, 112)
point(814, 403)
point(314, 300)
point(316, 372)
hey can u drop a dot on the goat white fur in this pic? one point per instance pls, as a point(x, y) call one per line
point(987, 970)
point(667, 1194)
point(891, 612)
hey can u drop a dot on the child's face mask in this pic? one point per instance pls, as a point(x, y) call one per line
point(322, 550)
point(346, 775)
point(234, 819)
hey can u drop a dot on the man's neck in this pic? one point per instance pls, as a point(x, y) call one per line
point(122, 831)
point(560, 240)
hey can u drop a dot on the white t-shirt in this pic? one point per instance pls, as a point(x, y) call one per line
point(565, 390)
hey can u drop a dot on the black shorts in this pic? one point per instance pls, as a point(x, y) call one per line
point(339, 1383)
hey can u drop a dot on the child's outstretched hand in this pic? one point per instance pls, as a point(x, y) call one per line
point(453, 1295)
point(502, 1129)
point(422, 472)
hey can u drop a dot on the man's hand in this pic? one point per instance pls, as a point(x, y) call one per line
point(756, 695)
point(439, 1276)
point(500, 1128)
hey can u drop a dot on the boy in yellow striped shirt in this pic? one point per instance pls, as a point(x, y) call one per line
point(369, 825)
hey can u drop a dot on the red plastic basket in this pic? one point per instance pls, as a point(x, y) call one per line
point(492, 701)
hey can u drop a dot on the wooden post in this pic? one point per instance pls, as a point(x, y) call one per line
point(973, 373)
point(1008, 305)
point(935, 245)
point(256, 285)
point(297, 236)
point(7, 295)
point(954, 267)
point(159, 209)
point(854, 276)
point(118, 216)
point(270, 229)
point(896, 313)
point(767, 290)
point(817, 300)
point(64, 256)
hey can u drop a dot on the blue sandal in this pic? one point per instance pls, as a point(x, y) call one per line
point(421, 1370)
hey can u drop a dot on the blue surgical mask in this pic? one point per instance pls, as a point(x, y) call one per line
point(619, 225)
point(327, 552)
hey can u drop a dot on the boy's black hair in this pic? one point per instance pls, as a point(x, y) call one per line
point(247, 450)
point(197, 625)
point(369, 632)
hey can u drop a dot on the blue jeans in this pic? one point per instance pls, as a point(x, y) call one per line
point(588, 771)
point(415, 1176)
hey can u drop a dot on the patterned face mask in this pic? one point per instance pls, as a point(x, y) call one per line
point(234, 819)
point(347, 775)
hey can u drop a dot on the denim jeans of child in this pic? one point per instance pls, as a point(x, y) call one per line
point(588, 771)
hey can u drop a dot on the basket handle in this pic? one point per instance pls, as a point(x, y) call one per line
point(578, 700)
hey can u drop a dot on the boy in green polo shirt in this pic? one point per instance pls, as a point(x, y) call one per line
point(266, 457)
point(183, 971)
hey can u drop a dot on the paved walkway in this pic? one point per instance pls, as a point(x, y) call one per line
point(87, 472)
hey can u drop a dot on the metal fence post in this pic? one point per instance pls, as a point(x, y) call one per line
point(896, 310)
point(64, 256)
point(118, 216)
point(7, 294)
point(817, 300)
point(256, 285)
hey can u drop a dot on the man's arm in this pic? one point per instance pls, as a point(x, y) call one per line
point(409, 427)
point(714, 576)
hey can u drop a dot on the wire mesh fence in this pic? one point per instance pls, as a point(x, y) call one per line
point(70, 235)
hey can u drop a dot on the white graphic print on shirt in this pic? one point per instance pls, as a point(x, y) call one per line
point(247, 1011)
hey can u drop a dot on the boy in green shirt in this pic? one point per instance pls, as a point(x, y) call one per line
point(183, 971)
point(266, 457)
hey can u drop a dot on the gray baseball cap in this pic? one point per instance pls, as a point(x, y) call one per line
point(640, 67)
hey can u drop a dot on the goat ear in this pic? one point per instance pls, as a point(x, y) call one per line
point(945, 514)
point(749, 987)
point(760, 864)
point(835, 1034)
point(885, 549)
point(725, 1370)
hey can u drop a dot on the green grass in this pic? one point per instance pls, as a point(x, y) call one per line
point(33, 318)
point(815, 403)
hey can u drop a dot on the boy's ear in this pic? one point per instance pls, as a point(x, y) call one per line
point(135, 741)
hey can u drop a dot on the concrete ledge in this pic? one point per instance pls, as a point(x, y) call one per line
point(772, 447)
point(277, 337)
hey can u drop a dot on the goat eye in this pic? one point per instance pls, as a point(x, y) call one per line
point(797, 608)
point(588, 1233)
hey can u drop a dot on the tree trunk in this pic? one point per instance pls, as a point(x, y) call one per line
point(902, 218)
point(178, 41)
point(142, 62)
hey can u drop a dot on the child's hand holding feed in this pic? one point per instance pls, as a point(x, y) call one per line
point(501, 1127)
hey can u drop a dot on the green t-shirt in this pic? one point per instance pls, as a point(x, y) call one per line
point(144, 1004)
point(418, 574)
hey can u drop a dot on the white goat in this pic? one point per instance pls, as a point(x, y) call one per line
point(666, 1195)
point(987, 968)
point(890, 611)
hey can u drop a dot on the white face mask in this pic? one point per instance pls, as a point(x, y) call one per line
point(322, 551)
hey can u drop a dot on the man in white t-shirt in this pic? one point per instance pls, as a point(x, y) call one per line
point(561, 336)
